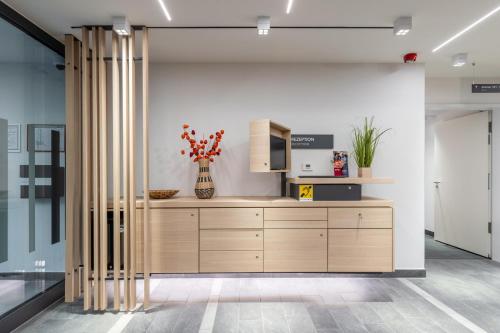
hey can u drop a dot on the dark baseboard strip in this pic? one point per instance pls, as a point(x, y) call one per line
point(30, 308)
point(429, 233)
point(399, 273)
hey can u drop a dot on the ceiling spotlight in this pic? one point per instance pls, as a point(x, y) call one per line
point(165, 10)
point(263, 25)
point(121, 25)
point(402, 25)
point(459, 59)
point(289, 6)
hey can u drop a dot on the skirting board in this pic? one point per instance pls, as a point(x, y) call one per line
point(399, 273)
point(429, 233)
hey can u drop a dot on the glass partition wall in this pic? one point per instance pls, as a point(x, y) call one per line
point(32, 159)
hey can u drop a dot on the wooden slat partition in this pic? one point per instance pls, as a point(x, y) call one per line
point(88, 160)
point(145, 163)
point(70, 112)
point(86, 169)
point(103, 167)
point(116, 171)
point(95, 169)
point(125, 142)
point(131, 176)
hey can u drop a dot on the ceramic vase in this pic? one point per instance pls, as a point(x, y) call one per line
point(365, 172)
point(204, 188)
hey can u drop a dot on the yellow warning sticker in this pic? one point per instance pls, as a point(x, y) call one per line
point(305, 192)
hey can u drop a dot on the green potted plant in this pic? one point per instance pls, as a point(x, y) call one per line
point(365, 141)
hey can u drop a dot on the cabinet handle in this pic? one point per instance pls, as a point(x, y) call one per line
point(265, 163)
point(321, 235)
point(256, 214)
point(256, 257)
point(256, 235)
point(192, 214)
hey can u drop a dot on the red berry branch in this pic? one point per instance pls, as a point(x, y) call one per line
point(202, 149)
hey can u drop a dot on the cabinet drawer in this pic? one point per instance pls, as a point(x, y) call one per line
point(360, 250)
point(295, 250)
point(228, 218)
point(231, 261)
point(294, 224)
point(360, 217)
point(238, 240)
point(295, 214)
point(174, 240)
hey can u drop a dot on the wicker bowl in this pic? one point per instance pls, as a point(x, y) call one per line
point(162, 194)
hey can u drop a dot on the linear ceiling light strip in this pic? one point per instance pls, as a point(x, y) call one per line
point(494, 11)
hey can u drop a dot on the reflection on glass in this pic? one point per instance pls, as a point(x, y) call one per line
point(31, 167)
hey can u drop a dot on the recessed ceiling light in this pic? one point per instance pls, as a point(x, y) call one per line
point(289, 6)
point(165, 10)
point(459, 59)
point(121, 25)
point(263, 25)
point(402, 25)
point(466, 29)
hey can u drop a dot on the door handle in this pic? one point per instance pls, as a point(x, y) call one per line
point(436, 184)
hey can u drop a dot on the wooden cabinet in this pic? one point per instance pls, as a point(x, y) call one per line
point(295, 250)
point(260, 145)
point(294, 238)
point(360, 250)
point(367, 218)
point(174, 241)
point(229, 218)
point(229, 239)
point(230, 261)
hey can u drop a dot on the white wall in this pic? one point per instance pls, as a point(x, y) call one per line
point(309, 99)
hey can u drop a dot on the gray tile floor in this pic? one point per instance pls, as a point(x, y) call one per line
point(469, 286)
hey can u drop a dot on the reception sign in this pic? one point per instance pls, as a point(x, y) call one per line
point(312, 141)
point(486, 88)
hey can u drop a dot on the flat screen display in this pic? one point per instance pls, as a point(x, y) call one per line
point(278, 153)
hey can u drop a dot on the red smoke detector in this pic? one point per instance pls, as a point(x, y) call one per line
point(410, 57)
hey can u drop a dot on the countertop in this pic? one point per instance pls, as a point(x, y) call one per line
point(258, 201)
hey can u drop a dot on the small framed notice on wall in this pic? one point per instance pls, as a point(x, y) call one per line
point(14, 138)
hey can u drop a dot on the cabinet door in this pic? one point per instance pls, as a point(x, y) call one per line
point(378, 217)
point(174, 241)
point(360, 250)
point(295, 250)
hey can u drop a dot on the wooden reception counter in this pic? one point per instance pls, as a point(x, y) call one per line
point(268, 234)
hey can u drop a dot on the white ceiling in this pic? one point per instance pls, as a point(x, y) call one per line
point(434, 21)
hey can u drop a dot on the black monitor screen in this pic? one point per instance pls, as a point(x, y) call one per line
point(278, 153)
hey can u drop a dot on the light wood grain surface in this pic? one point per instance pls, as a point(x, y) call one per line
point(342, 180)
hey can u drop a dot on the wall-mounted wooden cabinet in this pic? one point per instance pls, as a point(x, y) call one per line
point(260, 145)
point(289, 236)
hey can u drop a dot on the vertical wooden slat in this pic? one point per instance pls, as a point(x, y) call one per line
point(132, 159)
point(145, 161)
point(116, 171)
point(70, 112)
point(125, 141)
point(95, 167)
point(103, 170)
point(77, 162)
point(86, 169)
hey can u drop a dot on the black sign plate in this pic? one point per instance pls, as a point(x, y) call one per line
point(486, 88)
point(312, 141)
